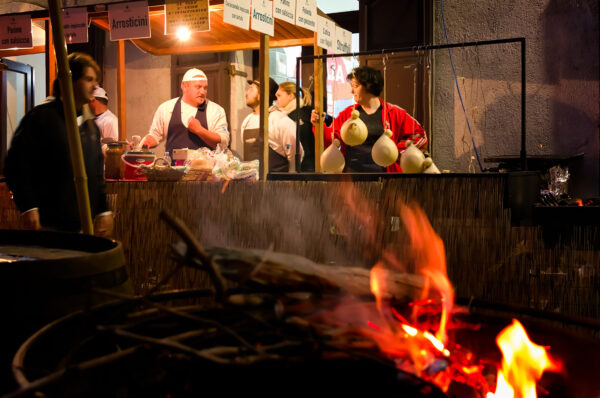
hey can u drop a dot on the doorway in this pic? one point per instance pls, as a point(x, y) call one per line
point(16, 99)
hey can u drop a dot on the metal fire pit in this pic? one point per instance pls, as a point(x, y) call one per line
point(121, 350)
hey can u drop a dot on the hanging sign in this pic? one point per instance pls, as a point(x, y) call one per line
point(262, 17)
point(326, 33)
point(75, 23)
point(343, 41)
point(306, 14)
point(285, 10)
point(129, 20)
point(237, 13)
point(15, 32)
point(191, 14)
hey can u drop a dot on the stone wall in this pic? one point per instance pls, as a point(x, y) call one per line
point(562, 95)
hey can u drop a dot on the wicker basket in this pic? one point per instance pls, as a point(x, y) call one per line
point(198, 175)
point(163, 173)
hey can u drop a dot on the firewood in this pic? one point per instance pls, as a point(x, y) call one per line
point(288, 271)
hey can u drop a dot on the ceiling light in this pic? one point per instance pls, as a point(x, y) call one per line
point(183, 33)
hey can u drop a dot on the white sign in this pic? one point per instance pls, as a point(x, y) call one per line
point(76, 24)
point(343, 41)
point(262, 17)
point(285, 10)
point(306, 14)
point(191, 14)
point(129, 20)
point(237, 13)
point(15, 32)
point(326, 33)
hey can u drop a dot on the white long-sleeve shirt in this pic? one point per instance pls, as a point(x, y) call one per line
point(108, 124)
point(282, 134)
point(215, 118)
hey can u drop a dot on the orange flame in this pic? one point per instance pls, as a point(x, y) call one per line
point(523, 364)
point(430, 262)
point(394, 334)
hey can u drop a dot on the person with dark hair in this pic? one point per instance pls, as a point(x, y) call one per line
point(38, 166)
point(286, 101)
point(367, 84)
point(106, 120)
point(282, 131)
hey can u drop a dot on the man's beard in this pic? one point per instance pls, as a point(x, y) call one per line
point(253, 103)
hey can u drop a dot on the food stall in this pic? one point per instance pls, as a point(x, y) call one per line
point(321, 216)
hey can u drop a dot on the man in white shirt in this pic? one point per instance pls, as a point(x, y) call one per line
point(106, 120)
point(190, 121)
point(282, 132)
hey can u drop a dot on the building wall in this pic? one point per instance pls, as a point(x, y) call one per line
point(147, 85)
point(562, 93)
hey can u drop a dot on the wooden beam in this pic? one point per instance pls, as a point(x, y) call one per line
point(318, 79)
point(50, 59)
point(121, 90)
point(22, 51)
point(68, 100)
point(263, 68)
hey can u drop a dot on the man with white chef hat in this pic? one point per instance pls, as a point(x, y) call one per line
point(190, 121)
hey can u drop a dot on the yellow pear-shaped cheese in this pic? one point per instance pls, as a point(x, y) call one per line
point(332, 160)
point(354, 131)
point(412, 159)
point(385, 151)
point(430, 167)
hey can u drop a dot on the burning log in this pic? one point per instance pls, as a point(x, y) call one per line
point(289, 272)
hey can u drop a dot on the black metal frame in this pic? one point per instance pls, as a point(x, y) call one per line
point(521, 40)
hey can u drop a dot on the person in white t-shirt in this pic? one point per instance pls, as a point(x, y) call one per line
point(106, 120)
point(190, 121)
point(282, 132)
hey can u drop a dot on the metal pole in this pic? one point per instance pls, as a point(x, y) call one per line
point(298, 89)
point(523, 108)
point(66, 89)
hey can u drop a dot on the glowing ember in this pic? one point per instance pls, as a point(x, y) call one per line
point(414, 335)
point(522, 365)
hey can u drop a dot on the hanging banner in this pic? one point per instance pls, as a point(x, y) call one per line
point(343, 41)
point(237, 13)
point(326, 33)
point(262, 17)
point(285, 10)
point(306, 14)
point(191, 14)
point(15, 32)
point(75, 22)
point(129, 20)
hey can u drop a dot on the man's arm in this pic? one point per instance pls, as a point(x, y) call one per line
point(210, 137)
point(217, 132)
point(19, 169)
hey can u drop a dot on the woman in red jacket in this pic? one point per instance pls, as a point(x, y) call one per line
point(367, 84)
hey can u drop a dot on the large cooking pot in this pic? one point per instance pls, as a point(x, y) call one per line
point(47, 274)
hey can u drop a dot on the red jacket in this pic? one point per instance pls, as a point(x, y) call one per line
point(404, 127)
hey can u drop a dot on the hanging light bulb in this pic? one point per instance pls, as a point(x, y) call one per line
point(183, 33)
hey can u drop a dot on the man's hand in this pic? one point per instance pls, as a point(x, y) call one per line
point(31, 220)
point(103, 225)
point(195, 127)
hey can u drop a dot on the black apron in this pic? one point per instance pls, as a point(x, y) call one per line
point(178, 136)
point(253, 149)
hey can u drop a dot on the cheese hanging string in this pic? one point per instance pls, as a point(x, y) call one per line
point(414, 110)
point(385, 114)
